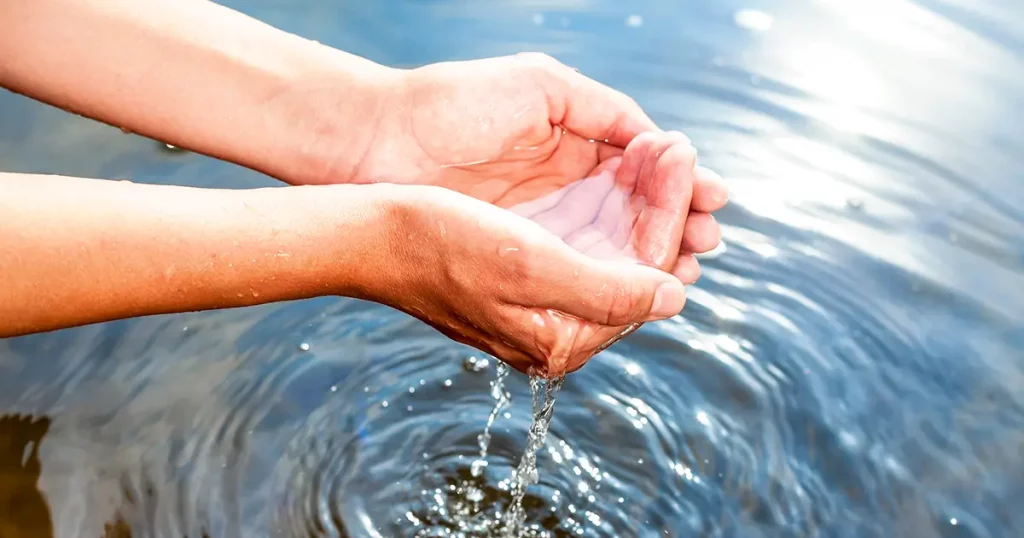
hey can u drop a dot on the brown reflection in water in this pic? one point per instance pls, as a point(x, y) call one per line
point(23, 509)
point(24, 512)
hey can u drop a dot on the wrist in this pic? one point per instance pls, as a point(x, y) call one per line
point(326, 116)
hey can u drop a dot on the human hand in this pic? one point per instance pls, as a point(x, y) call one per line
point(515, 129)
point(504, 284)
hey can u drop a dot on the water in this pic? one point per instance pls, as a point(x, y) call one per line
point(851, 365)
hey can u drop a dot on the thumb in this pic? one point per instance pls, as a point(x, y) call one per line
point(588, 108)
point(614, 293)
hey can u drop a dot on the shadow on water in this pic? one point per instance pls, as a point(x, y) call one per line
point(850, 365)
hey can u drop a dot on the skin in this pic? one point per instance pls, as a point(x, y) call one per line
point(385, 167)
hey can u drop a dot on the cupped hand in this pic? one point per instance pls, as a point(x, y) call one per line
point(514, 129)
point(507, 285)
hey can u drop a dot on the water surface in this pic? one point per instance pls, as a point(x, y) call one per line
point(851, 365)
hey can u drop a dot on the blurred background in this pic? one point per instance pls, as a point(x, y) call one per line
point(851, 364)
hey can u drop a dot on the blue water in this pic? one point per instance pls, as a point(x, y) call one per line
point(851, 365)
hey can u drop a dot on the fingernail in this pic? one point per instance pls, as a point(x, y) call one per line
point(669, 300)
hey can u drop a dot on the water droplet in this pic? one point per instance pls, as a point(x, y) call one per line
point(538, 18)
point(254, 293)
point(447, 382)
point(384, 403)
point(538, 320)
point(477, 468)
point(304, 346)
point(412, 390)
point(952, 521)
point(855, 204)
point(185, 328)
point(473, 364)
point(505, 250)
point(634, 21)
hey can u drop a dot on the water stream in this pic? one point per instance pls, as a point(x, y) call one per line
point(851, 365)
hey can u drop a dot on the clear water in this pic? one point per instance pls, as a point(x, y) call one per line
point(852, 365)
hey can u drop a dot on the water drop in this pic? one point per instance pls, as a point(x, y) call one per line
point(334, 388)
point(505, 250)
point(855, 204)
point(538, 320)
point(474, 495)
point(634, 21)
point(473, 364)
point(952, 521)
point(254, 293)
point(384, 403)
point(538, 19)
point(447, 382)
point(304, 346)
point(477, 468)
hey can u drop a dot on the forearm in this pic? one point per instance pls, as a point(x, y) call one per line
point(77, 251)
point(197, 75)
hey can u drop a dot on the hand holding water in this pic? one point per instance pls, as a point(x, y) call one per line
point(503, 284)
point(482, 228)
point(515, 129)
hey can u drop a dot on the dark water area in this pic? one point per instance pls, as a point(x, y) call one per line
point(851, 364)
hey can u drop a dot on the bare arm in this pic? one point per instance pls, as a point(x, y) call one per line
point(197, 75)
point(77, 251)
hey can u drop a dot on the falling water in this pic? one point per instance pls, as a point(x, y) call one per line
point(525, 475)
point(501, 400)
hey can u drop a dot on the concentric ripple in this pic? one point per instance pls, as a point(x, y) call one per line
point(849, 365)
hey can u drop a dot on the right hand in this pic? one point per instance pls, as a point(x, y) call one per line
point(499, 282)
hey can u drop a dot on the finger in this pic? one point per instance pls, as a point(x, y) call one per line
point(687, 269)
point(642, 149)
point(599, 341)
point(615, 293)
point(586, 107)
point(709, 191)
point(659, 228)
point(646, 176)
point(702, 233)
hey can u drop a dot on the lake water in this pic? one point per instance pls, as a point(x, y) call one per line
point(852, 365)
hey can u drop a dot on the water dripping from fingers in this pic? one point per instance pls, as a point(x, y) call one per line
point(525, 474)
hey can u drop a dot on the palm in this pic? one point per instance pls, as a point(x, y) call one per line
point(485, 135)
point(610, 215)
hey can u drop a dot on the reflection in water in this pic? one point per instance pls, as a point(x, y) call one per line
point(849, 365)
point(23, 508)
